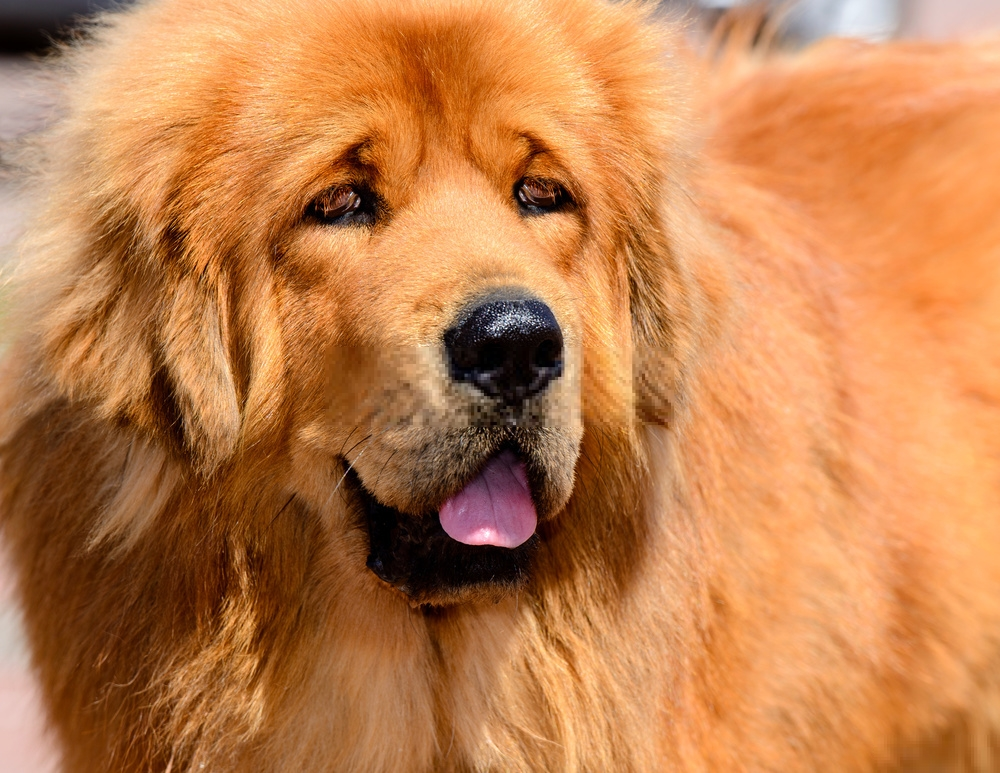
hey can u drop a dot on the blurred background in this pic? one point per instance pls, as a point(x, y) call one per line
point(30, 24)
point(27, 28)
point(808, 20)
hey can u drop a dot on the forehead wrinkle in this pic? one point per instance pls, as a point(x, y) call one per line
point(448, 67)
point(433, 83)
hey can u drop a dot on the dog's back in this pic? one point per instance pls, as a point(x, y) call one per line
point(880, 166)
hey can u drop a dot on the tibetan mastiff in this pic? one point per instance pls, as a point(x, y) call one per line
point(460, 385)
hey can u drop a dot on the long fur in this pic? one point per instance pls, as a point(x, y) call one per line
point(775, 531)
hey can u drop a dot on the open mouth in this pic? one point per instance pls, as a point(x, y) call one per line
point(479, 543)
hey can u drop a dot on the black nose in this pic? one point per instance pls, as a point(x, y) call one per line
point(509, 349)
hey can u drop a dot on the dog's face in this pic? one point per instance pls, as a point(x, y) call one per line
point(439, 261)
point(435, 269)
point(427, 231)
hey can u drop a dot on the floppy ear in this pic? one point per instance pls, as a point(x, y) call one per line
point(144, 341)
point(195, 344)
point(661, 319)
point(648, 151)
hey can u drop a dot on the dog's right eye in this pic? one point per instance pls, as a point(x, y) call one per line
point(536, 195)
point(343, 205)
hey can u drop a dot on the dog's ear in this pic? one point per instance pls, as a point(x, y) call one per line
point(143, 338)
point(195, 341)
point(648, 152)
point(660, 312)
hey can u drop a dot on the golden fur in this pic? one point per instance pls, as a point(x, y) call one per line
point(770, 538)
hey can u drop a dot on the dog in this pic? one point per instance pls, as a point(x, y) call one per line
point(456, 385)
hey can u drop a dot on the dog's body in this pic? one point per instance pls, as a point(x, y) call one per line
point(764, 457)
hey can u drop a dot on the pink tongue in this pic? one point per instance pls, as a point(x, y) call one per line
point(495, 508)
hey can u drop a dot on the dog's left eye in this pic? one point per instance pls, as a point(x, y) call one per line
point(537, 196)
point(343, 205)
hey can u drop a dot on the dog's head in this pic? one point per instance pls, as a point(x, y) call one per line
point(408, 253)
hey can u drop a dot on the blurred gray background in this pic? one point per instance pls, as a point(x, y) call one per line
point(26, 27)
point(29, 24)
point(811, 19)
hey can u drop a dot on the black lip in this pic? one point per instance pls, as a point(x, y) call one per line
point(415, 555)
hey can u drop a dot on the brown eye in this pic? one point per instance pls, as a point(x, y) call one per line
point(343, 205)
point(537, 196)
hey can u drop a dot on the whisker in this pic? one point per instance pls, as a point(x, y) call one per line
point(350, 463)
point(384, 465)
point(367, 437)
point(283, 508)
point(349, 436)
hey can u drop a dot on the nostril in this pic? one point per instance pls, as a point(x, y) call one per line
point(509, 349)
point(548, 354)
